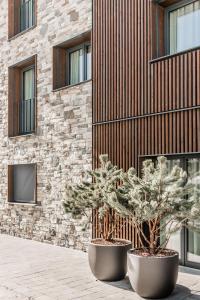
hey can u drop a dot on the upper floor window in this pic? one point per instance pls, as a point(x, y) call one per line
point(183, 26)
point(72, 61)
point(22, 98)
point(79, 64)
point(26, 14)
point(21, 16)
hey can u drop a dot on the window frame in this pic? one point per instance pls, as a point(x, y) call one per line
point(14, 19)
point(168, 10)
point(15, 89)
point(10, 198)
point(83, 47)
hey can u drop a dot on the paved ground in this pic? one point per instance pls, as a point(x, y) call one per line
point(34, 271)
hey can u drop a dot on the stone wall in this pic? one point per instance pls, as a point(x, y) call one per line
point(63, 142)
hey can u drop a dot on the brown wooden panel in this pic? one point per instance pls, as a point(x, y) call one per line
point(13, 17)
point(175, 82)
point(126, 141)
point(10, 183)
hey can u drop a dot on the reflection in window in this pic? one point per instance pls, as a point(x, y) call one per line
point(193, 241)
point(185, 27)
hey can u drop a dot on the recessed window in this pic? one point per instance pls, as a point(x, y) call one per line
point(21, 15)
point(183, 26)
point(22, 100)
point(72, 61)
point(79, 63)
point(22, 183)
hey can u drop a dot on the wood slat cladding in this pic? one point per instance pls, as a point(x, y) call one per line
point(167, 133)
point(175, 82)
point(125, 82)
point(143, 104)
point(121, 58)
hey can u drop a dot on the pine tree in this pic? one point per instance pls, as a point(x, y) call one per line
point(93, 193)
point(163, 200)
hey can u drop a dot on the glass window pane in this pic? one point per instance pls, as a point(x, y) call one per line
point(89, 64)
point(175, 239)
point(26, 14)
point(193, 241)
point(28, 84)
point(76, 66)
point(185, 27)
point(24, 179)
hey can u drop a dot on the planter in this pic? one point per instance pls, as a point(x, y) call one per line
point(109, 262)
point(153, 276)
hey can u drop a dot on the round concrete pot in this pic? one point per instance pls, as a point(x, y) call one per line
point(108, 262)
point(152, 276)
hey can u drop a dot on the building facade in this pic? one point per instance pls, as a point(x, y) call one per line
point(146, 90)
point(143, 101)
point(45, 132)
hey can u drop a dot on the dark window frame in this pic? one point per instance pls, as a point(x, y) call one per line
point(184, 157)
point(84, 47)
point(168, 10)
point(11, 199)
point(15, 89)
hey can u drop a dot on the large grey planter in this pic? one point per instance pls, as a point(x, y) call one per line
point(153, 277)
point(108, 262)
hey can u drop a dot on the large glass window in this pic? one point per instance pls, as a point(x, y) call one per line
point(79, 64)
point(184, 27)
point(26, 14)
point(186, 242)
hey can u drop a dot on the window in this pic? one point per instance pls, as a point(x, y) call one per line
point(79, 64)
point(21, 98)
point(26, 14)
point(72, 61)
point(21, 15)
point(186, 242)
point(183, 22)
point(22, 183)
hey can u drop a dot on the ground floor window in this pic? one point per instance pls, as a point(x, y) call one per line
point(186, 242)
point(22, 183)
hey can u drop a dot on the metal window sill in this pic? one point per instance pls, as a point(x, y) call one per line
point(168, 56)
point(71, 85)
point(23, 135)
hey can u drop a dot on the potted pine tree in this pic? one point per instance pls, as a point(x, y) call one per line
point(159, 203)
point(107, 255)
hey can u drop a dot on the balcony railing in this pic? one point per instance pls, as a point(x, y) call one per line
point(27, 14)
point(27, 116)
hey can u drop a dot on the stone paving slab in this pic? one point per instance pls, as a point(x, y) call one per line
point(31, 270)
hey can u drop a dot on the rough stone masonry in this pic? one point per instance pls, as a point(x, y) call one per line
point(62, 144)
